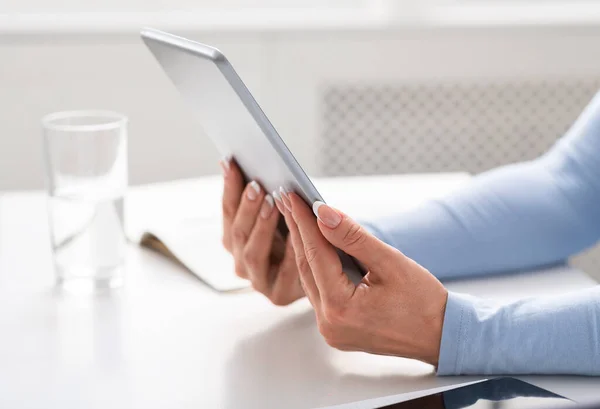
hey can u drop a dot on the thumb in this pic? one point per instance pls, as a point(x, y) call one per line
point(350, 237)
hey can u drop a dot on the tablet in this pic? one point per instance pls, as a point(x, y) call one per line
point(505, 393)
point(233, 120)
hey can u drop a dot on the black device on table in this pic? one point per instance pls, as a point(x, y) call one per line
point(499, 393)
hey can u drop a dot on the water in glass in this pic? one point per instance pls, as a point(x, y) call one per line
point(86, 159)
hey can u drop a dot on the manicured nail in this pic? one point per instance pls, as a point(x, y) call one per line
point(286, 199)
point(225, 164)
point(278, 201)
point(223, 168)
point(253, 191)
point(267, 207)
point(328, 216)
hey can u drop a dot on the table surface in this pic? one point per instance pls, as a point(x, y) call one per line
point(166, 340)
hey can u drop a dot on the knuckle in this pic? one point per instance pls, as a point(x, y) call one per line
point(240, 270)
point(261, 285)
point(238, 234)
point(302, 263)
point(280, 299)
point(257, 286)
point(228, 210)
point(250, 258)
point(311, 253)
point(355, 236)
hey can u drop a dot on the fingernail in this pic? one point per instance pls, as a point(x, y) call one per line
point(253, 191)
point(278, 201)
point(267, 207)
point(225, 166)
point(328, 216)
point(286, 199)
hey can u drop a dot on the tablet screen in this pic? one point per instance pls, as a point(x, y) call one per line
point(501, 393)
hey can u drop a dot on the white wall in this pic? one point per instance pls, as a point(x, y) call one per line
point(285, 70)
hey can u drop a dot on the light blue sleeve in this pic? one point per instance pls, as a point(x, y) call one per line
point(554, 335)
point(518, 217)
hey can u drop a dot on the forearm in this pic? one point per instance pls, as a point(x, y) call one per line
point(513, 218)
point(557, 335)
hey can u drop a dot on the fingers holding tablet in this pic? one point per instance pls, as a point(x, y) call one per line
point(243, 224)
point(263, 248)
point(261, 254)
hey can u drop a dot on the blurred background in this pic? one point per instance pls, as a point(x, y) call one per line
point(353, 86)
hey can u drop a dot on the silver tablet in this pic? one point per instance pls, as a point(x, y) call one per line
point(231, 117)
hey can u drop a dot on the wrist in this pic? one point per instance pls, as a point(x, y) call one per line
point(434, 328)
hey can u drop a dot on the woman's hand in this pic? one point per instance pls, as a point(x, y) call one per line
point(398, 308)
point(250, 234)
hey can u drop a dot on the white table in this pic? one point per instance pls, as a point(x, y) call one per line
point(166, 341)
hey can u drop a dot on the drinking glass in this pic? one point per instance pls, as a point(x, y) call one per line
point(86, 169)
